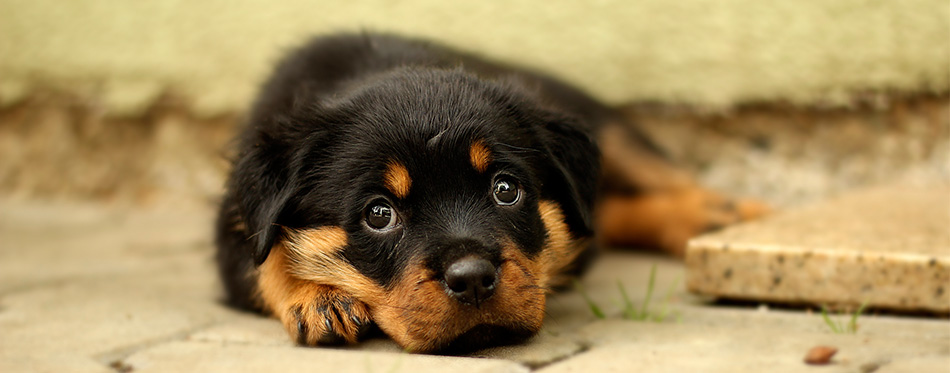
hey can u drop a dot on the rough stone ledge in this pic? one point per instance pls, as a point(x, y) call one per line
point(888, 246)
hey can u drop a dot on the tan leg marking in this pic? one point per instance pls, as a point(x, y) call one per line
point(666, 208)
point(316, 295)
point(668, 219)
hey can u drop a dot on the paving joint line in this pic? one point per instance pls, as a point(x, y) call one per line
point(115, 359)
point(584, 346)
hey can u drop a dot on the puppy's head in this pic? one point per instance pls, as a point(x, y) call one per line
point(447, 203)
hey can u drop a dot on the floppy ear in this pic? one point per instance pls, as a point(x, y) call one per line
point(573, 169)
point(263, 184)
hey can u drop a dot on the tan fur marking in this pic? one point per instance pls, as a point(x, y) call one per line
point(313, 255)
point(397, 179)
point(479, 155)
point(668, 219)
point(419, 316)
point(669, 208)
point(304, 274)
point(560, 249)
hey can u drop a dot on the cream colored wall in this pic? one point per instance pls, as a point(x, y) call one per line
point(708, 52)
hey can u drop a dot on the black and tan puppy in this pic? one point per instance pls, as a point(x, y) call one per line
point(394, 182)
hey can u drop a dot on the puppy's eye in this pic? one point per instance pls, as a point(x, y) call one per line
point(380, 216)
point(506, 191)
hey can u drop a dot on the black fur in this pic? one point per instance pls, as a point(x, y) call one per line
point(319, 136)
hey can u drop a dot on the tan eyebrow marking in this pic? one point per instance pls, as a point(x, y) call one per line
point(479, 155)
point(397, 179)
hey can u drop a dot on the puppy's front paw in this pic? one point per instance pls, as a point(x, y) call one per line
point(325, 316)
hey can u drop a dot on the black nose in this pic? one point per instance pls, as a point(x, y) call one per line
point(470, 280)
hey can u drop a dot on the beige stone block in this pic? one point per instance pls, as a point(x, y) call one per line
point(106, 316)
point(50, 363)
point(623, 346)
point(253, 330)
point(236, 358)
point(936, 330)
point(51, 243)
point(248, 329)
point(543, 349)
point(935, 364)
point(888, 246)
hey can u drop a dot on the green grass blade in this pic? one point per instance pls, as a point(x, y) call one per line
point(650, 284)
point(831, 324)
point(598, 313)
point(664, 308)
point(853, 324)
point(628, 311)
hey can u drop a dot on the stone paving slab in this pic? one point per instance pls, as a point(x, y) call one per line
point(617, 345)
point(70, 241)
point(722, 357)
point(101, 316)
point(888, 246)
point(99, 290)
point(228, 358)
point(922, 364)
point(546, 348)
point(247, 329)
point(49, 363)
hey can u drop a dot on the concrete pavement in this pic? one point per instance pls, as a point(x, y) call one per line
point(87, 288)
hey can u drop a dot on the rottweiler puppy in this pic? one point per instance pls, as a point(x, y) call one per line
point(439, 196)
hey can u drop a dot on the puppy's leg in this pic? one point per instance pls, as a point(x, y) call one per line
point(649, 202)
point(667, 219)
point(312, 313)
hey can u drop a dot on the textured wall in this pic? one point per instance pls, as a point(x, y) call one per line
point(712, 52)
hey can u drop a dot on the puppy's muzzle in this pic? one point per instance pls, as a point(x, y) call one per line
point(471, 280)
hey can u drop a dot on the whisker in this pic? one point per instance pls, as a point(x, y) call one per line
point(254, 235)
point(417, 309)
point(424, 280)
point(524, 270)
point(536, 287)
point(519, 148)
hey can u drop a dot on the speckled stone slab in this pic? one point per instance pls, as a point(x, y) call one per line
point(888, 246)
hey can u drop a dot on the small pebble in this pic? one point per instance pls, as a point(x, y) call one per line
point(820, 355)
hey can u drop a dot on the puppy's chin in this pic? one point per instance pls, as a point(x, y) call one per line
point(486, 335)
point(419, 315)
